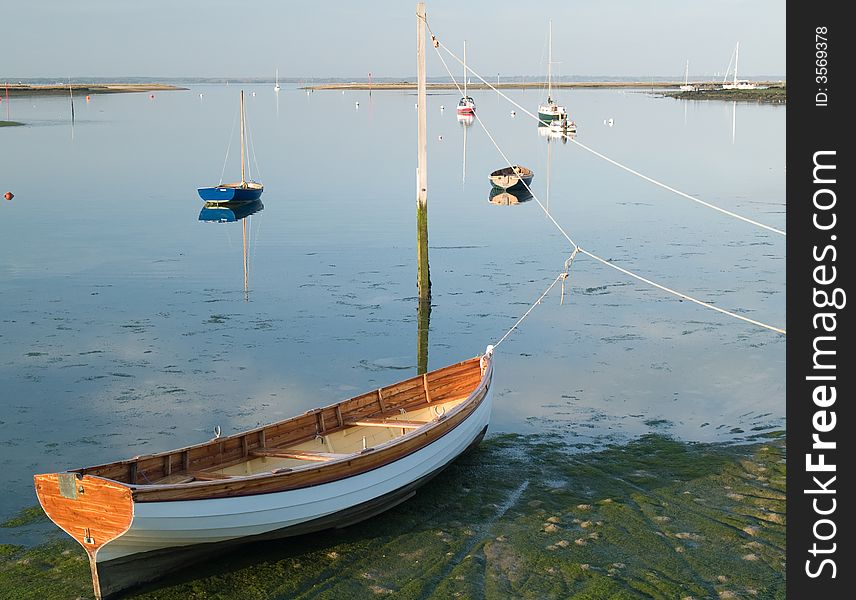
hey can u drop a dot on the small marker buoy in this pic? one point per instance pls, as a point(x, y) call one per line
point(152, 97)
point(88, 98)
point(8, 195)
point(513, 113)
point(357, 104)
point(254, 93)
point(440, 137)
point(343, 92)
point(442, 107)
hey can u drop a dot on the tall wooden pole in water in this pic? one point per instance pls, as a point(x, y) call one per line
point(423, 277)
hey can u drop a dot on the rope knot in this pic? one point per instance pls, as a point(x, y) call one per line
point(435, 41)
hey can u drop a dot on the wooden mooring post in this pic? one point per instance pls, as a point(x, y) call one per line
point(423, 275)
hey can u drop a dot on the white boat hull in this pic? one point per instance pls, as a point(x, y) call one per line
point(168, 534)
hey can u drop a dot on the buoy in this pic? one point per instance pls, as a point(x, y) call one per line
point(8, 195)
point(88, 98)
point(440, 138)
point(513, 113)
point(152, 97)
point(254, 93)
point(357, 104)
point(610, 122)
point(343, 92)
point(200, 94)
point(442, 107)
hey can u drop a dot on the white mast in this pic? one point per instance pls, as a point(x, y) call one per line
point(465, 68)
point(687, 73)
point(736, 58)
point(550, 64)
point(243, 177)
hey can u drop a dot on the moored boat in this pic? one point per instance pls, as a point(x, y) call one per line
point(243, 191)
point(466, 105)
point(142, 517)
point(512, 177)
point(550, 110)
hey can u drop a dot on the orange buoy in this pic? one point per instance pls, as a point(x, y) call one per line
point(88, 98)
point(152, 97)
point(8, 195)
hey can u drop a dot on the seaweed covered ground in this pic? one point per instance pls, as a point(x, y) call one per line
point(768, 95)
point(521, 517)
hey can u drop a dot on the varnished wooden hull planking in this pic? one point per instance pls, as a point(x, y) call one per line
point(155, 528)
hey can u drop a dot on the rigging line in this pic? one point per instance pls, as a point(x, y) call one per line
point(559, 277)
point(228, 148)
point(252, 141)
point(617, 164)
point(684, 296)
point(577, 248)
point(487, 132)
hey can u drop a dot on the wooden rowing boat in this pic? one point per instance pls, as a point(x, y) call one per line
point(515, 177)
point(140, 518)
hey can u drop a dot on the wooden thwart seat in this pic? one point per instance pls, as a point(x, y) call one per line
point(295, 454)
point(388, 423)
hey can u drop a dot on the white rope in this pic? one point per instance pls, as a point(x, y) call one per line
point(559, 278)
point(577, 248)
point(617, 164)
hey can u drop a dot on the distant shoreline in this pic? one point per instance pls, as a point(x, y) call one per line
point(18, 89)
point(409, 85)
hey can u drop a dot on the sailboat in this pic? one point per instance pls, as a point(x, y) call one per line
point(687, 87)
point(550, 111)
point(466, 105)
point(245, 190)
point(276, 87)
point(737, 84)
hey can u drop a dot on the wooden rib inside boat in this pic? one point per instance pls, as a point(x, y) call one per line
point(142, 517)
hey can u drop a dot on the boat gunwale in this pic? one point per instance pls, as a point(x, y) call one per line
point(473, 399)
point(513, 172)
point(327, 465)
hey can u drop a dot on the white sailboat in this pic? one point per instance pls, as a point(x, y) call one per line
point(737, 84)
point(466, 105)
point(276, 87)
point(550, 111)
point(687, 87)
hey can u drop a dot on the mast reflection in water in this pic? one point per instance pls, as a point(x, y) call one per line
point(231, 212)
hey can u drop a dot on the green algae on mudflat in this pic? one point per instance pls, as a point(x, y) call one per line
point(10, 123)
point(29, 515)
point(522, 517)
point(56, 570)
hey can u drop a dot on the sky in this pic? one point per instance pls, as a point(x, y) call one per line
point(252, 38)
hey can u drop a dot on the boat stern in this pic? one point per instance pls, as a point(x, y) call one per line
point(92, 510)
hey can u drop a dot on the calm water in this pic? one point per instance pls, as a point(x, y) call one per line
point(126, 329)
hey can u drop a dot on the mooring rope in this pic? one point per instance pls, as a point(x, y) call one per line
point(606, 158)
point(576, 247)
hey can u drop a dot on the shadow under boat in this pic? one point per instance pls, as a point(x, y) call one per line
point(508, 197)
point(229, 212)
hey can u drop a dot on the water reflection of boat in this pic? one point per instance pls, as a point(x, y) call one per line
point(553, 134)
point(244, 190)
point(229, 212)
point(512, 178)
point(503, 197)
point(465, 121)
point(142, 517)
